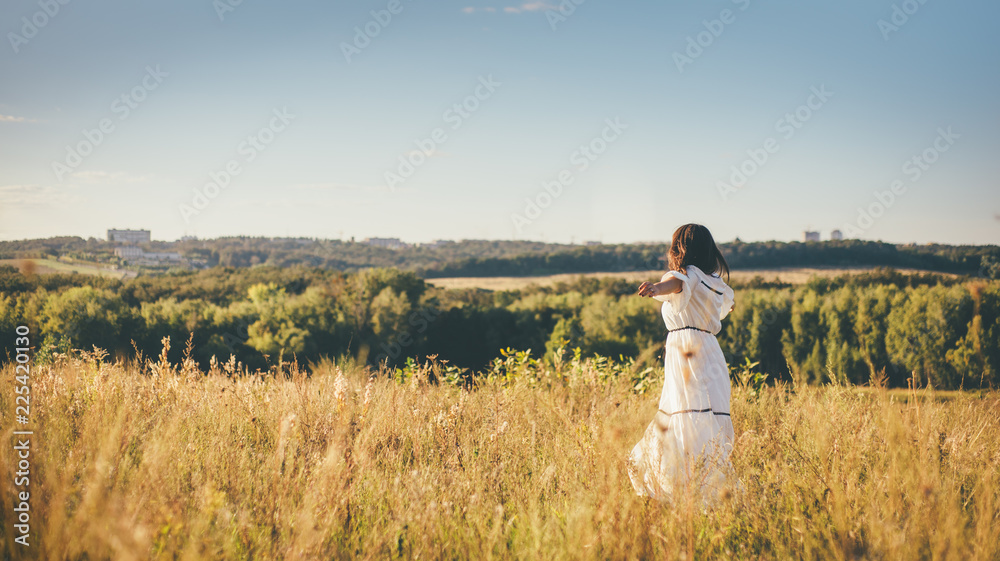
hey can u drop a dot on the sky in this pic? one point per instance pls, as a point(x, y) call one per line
point(571, 121)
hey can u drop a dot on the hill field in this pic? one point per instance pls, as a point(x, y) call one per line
point(49, 266)
point(158, 460)
point(787, 275)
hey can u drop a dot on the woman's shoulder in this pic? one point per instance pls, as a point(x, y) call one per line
point(694, 272)
point(681, 275)
point(713, 280)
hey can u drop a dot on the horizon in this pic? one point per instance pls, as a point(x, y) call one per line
point(501, 120)
point(417, 243)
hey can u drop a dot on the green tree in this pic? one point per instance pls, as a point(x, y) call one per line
point(753, 330)
point(803, 342)
point(389, 311)
point(871, 326)
point(567, 334)
point(924, 328)
point(88, 316)
point(972, 356)
point(274, 331)
point(844, 361)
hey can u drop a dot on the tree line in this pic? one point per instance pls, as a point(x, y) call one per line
point(520, 258)
point(936, 329)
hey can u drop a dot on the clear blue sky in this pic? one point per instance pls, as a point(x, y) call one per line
point(558, 78)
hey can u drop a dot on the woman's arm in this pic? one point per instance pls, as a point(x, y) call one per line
point(668, 285)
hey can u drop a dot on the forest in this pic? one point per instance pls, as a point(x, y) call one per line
point(939, 330)
point(517, 258)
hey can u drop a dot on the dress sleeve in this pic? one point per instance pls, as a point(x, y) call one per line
point(728, 297)
point(678, 300)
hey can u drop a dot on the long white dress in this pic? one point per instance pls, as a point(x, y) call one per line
point(688, 442)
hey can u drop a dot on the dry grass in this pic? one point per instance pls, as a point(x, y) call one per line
point(161, 461)
point(791, 275)
point(50, 266)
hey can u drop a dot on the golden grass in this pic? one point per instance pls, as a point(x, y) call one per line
point(160, 461)
point(791, 275)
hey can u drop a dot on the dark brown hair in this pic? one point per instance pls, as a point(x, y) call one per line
point(694, 245)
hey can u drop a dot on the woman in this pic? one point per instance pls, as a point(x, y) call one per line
point(691, 436)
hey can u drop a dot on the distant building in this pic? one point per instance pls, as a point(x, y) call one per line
point(591, 243)
point(388, 243)
point(161, 257)
point(128, 236)
point(189, 238)
point(134, 254)
point(836, 235)
point(129, 253)
point(809, 236)
point(437, 244)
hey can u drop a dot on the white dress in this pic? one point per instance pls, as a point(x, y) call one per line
point(691, 436)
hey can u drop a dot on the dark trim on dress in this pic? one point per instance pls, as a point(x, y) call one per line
point(712, 289)
point(694, 411)
point(691, 327)
point(669, 331)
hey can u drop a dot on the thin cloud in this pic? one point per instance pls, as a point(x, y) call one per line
point(334, 186)
point(97, 176)
point(520, 8)
point(13, 119)
point(532, 7)
point(36, 195)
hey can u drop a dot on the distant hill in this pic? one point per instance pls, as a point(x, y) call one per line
point(517, 258)
point(970, 260)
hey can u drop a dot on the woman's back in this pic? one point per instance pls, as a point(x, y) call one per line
point(693, 421)
point(703, 302)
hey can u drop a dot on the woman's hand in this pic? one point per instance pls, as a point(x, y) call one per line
point(669, 285)
point(649, 289)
